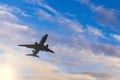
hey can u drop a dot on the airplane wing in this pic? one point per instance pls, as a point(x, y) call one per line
point(48, 50)
point(28, 46)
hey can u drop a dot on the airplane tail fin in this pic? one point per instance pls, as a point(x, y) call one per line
point(32, 55)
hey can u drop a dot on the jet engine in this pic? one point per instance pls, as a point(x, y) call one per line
point(36, 43)
point(33, 51)
point(47, 45)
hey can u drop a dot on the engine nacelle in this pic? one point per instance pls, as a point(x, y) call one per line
point(36, 43)
point(33, 51)
point(47, 45)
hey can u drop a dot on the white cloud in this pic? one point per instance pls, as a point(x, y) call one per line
point(11, 30)
point(11, 9)
point(95, 31)
point(42, 69)
point(107, 17)
point(69, 24)
point(56, 17)
point(46, 16)
point(116, 37)
point(47, 71)
point(16, 26)
point(7, 16)
point(103, 16)
point(84, 1)
point(50, 71)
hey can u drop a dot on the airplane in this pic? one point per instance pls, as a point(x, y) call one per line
point(38, 46)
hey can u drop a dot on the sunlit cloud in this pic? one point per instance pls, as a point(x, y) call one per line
point(101, 75)
point(7, 73)
point(40, 69)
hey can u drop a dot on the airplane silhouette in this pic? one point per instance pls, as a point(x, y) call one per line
point(38, 46)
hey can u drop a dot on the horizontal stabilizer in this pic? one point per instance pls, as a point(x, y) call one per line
point(32, 55)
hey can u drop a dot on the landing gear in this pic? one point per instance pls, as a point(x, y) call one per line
point(47, 45)
point(33, 51)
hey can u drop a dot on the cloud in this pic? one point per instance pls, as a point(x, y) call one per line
point(106, 49)
point(87, 60)
point(7, 16)
point(46, 16)
point(103, 16)
point(42, 69)
point(59, 66)
point(12, 30)
point(101, 75)
point(86, 55)
point(72, 25)
point(12, 9)
point(16, 26)
point(84, 1)
point(52, 15)
point(49, 71)
point(116, 37)
point(95, 31)
point(11, 33)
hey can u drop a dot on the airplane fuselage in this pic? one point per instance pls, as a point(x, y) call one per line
point(39, 47)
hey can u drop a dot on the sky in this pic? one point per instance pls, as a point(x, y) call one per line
point(84, 34)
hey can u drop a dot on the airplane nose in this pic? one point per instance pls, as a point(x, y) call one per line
point(46, 35)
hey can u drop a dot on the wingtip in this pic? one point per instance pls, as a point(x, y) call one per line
point(53, 52)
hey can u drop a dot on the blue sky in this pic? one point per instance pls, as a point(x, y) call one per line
point(83, 33)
